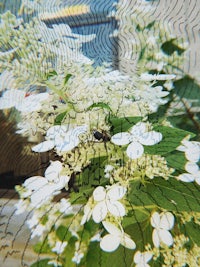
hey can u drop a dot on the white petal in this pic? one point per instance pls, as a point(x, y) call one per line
point(56, 130)
point(135, 150)
point(116, 192)
point(109, 243)
point(116, 208)
point(42, 195)
point(39, 97)
point(193, 154)
point(156, 238)
point(186, 177)
point(191, 167)
point(99, 212)
point(197, 178)
point(62, 182)
point(166, 237)
point(138, 129)
point(150, 138)
point(121, 139)
point(53, 171)
point(99, 193)
point(155, 219)
point(111, 228)
point(167, 220)
point(127, 242)
point(35, 182)
point(142, 258)
point(43, 146)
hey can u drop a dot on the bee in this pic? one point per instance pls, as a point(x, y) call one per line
point(101, 136)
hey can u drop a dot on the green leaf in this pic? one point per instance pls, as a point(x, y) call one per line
point(150, 25)
point(192, 230)
point(187, 87)
point(122, 124)
point(176, 160)
point(120, 258)
point(170, 141)
point(170, 195)
point(42, 263)
point(51, 74)
point(169, 48)
point(99, 105)
point(42, 247)
point(67, 77)
point(59, 118)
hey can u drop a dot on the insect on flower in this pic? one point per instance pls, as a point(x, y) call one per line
point(101, 136)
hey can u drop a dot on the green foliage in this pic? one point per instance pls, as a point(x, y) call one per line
point(169, 47)
point(42, 263)
point(122, 124)
point(59, 118)
point(67, 77)
point(99, 105)
point(170, 141)
point(171, 195)
point(187, 87)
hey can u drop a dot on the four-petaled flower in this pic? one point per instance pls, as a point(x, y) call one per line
point(141, 258)
point(191, 149)
point(137, 137)
point(192, 175)
point(162, 223)
point(59, 247)
point(111, 241)
point(42, 189)
point(22, 101)
point(107, 201)
point(61, 137)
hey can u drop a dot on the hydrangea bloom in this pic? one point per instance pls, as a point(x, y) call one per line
point(137, 137)
point(107, 201)
point(21, 101)
point(192, 175)
point(141, 258)
point(42, 189)
point(60, 137)
point(191, 149)
point(162, 223)
point(111, 241)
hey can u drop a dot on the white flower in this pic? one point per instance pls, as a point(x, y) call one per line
point(111, 241)
point(21, 206)
point(108, 170)
point(21, 101)
point(77, 257)
point(33, 221)
point(59, 247)
point(60, 137)
point(191, 149)
point(38, 231)
point(162, 223)
point(141, 258)
point(158, 77)
point(192, 175)
point(137, 137)
point(65, 206)
point(107, 201)
point(42, 189)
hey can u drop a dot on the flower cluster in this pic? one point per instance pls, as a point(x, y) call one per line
point(116, 179)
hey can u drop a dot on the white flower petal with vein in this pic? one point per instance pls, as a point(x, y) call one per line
point(141, 258)
point(135, 150)
point(111, 241)
point(137, 137)
point(162, 223)
point(191, 149)
point(42, 189)
point(192, 175)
